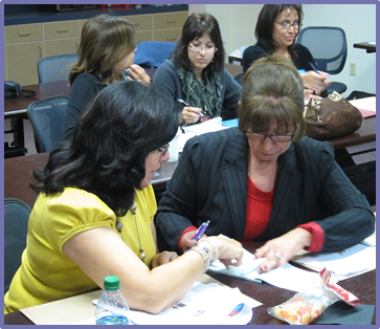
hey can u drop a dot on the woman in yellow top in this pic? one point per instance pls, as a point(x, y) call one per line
point(94, 213)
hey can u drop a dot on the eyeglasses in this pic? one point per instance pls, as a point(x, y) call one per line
point(287, 25)
point(163, 149)
point(274, 138)
point(198, 48)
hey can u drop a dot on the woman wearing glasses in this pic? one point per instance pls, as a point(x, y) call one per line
point(94, 213)
point(276, 30)
point(264, 181)
point(196, 73)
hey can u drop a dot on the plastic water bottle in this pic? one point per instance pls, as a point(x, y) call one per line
point(112, 308)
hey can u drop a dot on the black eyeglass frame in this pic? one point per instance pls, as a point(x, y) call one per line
point(270, 136)
point(290, 25)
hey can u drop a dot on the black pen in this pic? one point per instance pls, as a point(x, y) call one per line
point(187, 105)
point(314, 68)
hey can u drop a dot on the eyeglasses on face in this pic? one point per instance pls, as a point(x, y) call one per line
point(287, 25)
point(163, 149)
point(198, 48)
point(275, 138)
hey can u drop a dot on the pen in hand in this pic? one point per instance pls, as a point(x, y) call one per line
point(187, 105)
point(200, 232)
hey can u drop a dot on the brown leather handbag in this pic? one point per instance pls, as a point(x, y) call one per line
point(331, 117)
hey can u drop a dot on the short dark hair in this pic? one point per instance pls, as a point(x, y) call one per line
point(265, 22)
point(272, 89)
point(111, 140)
point(195, 26)
point(105, 41)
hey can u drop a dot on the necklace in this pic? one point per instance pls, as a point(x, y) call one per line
point(119, 226)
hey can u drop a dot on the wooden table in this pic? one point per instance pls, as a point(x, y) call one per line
point(362, 286)
point(367, 46)
point(17, 169)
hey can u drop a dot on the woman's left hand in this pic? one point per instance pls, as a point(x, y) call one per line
point(139, 74)
point(282, 249)
point(163, 258)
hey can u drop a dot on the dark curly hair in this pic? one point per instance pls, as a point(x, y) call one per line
point(195, 26)
point(113, 137)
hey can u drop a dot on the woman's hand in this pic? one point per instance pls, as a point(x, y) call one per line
point(139, 74)
point(190, 115)
point(309, 93)
point(315, 81)
point(280, 250)
point(230, 250)
point(187, 240)
point(164, 258)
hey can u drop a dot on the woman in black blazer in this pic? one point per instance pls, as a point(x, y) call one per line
point(264, 181)
point(276, 30)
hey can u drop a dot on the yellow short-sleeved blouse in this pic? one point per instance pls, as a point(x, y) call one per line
point(46, 273)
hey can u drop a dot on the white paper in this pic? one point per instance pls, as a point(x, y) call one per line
point(344, 263)
point(287, 277)
point(203, 304)
point(367, 103)
point(211, 125)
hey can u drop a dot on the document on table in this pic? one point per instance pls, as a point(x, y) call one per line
point(365, 105)
point(286, 277)
point(214, 124)
point(203, 304)
point(344, 264)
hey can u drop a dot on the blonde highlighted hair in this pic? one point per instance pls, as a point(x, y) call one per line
point(272, 91)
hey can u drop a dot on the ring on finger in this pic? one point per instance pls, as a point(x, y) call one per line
point(277, 255)
point(138, 80)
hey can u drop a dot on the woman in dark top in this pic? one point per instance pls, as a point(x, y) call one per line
point(196, 72)
point(106, 50)
point(276, 30)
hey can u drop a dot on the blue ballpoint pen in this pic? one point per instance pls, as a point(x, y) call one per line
point(313, 67)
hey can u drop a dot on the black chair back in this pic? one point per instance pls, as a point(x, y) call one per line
point(328, 45)
point(47, 117)
point(16, 215)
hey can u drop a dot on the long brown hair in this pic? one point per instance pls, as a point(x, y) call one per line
point(105, 41)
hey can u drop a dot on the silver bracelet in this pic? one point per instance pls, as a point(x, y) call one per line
point(214, 246)
point(204, 253)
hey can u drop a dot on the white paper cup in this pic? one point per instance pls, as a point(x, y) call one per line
point(174, 148)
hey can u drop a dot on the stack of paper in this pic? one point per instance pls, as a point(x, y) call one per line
point(286, 277)
point(345, 263)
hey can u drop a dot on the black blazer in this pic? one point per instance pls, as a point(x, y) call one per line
point(210, 183)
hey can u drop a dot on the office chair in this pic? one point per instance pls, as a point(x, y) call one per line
point(151, 54)
point(16, 215)
point(328, 45)
point(55, 68)
point(47, 117)
point(238, 77)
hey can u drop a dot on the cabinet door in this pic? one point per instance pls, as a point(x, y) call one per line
point(169, 20)
point(144, 36)
point(23, 33)
point(140, 22)
point(169, 35)
point(22, 62)
point(62, 30)
point(61, 47)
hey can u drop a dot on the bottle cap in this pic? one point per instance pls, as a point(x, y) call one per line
point(111, 283)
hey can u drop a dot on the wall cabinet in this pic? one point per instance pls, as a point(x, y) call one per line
point(26, 44)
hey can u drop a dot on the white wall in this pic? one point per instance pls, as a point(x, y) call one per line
point(237, 23)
